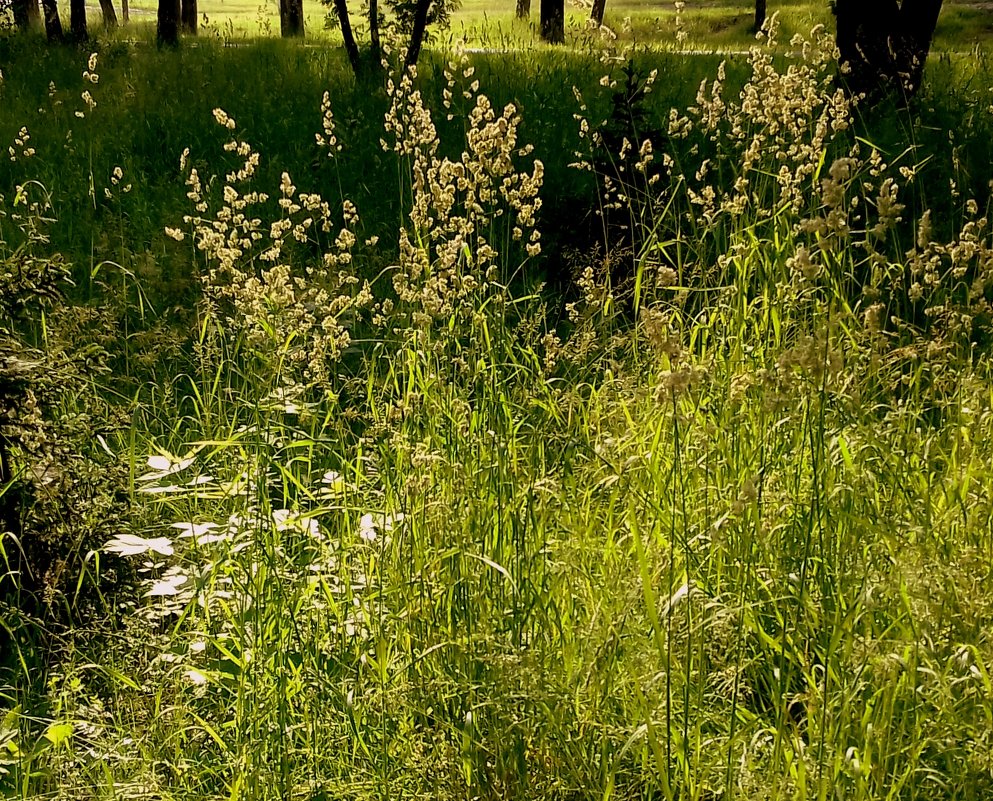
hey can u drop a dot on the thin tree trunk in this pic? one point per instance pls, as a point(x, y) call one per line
point(375, 46)
point(347, 35)
point(596, 13)
point(53, 23)
point(553, 21)
point(188, 16)
point(77, 20)
point(291, 17)
point(26, 14)
point(167, 32)
point(417, 32)
point(523, 9)
point(759, 14)
point(109, 15)
point(125, 11)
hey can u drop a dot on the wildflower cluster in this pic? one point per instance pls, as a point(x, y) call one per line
point(460, 211)
point(299, 311)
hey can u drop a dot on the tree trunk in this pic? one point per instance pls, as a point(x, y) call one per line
point(375, 46)
point(188, 16)
point(759, 14)
point(53, 24)
point(553, 21)
point(596, 13)
point(883, 45)
point(417, 32)
point(347, 35)
point(26, 14)
point(167, 32)
point(109, 15)
point(77, 20)
point(291, 17)
point(523, 9)
point(125, 11)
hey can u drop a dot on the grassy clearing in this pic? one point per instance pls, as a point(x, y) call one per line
point(713, 522)
point(708, 24)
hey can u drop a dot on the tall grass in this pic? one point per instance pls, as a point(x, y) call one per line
point(720, 529)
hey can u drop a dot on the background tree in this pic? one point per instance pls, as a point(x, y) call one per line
point(77, 20)
point(553, 21)
point(410, 18)
point(167, 29)
point(884, 44)
point(188, 16)
point(291, 17)
point(597, 12)
point(375, 46)
point(109, 15)
point(759, 14)
point(523, 9)
point(26, 13)
point(53, 23)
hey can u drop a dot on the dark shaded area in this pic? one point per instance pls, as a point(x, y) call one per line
point(553, 21)
point(885, 43)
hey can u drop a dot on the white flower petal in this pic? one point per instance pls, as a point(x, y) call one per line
point(194, 529)
point(159, 463)
point(132, 545)
point(166, 586)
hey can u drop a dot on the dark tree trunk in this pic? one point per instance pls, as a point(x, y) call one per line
point(417, 32)
point(347, 35)
point(26, 14)
point(109, 15)
point(167, 32)
point(125, 11)
point(553, 21)
point(884, 44)
point(77, 20)
point(188, 16)
point(53, 24)
point(375, 46)
point(291, 17)
point(759, 14)
point(596, 13)
point(523, 9)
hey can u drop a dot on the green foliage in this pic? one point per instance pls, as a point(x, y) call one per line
point(58, 499)
point(409, 525)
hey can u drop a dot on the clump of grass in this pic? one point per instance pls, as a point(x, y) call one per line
point(722, 530)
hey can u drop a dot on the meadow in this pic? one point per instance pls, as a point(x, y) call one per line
point(606, 422)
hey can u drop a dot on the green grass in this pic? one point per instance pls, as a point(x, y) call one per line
point(712, 519)
point(709, 24)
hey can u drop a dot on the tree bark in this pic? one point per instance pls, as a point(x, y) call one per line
point(553, 21)
point(291, 17)
point(167, 31)
point(375, 46)
point(125, 11)
point(109, 15)
point(417, 32)
point(884, 45)
point(347, 35)
point(53, 23)
point(760, 8)
point(188, 16)
point(77, 20)
point(523, 9)
point(597, 12)
point(26, 14)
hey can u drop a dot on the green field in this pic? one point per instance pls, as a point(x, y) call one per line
point(608, 422)
point(708, 23)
